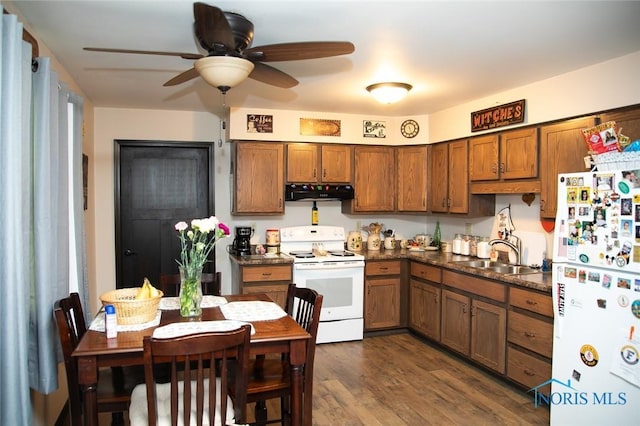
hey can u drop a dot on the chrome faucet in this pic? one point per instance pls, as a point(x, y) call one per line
point(517, 247)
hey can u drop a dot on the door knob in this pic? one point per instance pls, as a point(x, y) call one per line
point(128, 252)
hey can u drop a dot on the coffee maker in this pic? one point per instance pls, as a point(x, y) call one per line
point(242, 242)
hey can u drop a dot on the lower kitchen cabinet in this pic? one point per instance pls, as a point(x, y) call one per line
point(382, 295)
point(455, 321)
point(424, 309)
point(488, 334)
point(272, 280)
point(474, 318)
point(530, 337)
point(424, 296)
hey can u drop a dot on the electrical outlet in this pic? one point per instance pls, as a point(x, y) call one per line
point(253, 228)
point(468, 229)
point(358, 226)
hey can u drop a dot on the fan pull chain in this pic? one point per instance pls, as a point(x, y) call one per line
point(223, 123)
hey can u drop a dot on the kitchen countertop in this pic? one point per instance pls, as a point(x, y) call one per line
point(537, 281)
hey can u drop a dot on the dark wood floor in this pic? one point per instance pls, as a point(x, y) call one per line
point(401, 380)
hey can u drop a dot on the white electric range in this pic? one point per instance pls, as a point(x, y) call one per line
point(320, 262)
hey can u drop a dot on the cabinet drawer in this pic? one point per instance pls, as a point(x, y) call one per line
point(531, 301)
point(481, 287)
point(530, 333)
point(382, 268)
point(426, 272)
point(266, 273)
point(528, 370)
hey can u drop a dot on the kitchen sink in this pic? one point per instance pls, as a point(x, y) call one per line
point(502, 268)
point(480, 263)
point(513, 269)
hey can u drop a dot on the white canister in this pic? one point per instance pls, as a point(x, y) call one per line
point(483, 249)
point(466, 246)
point(373, 242)
point(457, 244)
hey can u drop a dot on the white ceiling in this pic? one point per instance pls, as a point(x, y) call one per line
point(450, 51)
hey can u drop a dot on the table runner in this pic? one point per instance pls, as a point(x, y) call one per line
point(173, 303)
point(252, 311)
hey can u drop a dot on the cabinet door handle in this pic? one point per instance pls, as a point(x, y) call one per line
point(266, 274)
point(464, 308)
point(501, 167)
point(531, 302)
point(436, 299)
point(383, 268)
point(529, 372)
point(529, 334)
point(324, 173)
point(494, 167)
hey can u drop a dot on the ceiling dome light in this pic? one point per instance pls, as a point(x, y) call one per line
point(388, 93)
point(224, 72)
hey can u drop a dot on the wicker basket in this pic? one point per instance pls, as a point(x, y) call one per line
point(128, 309)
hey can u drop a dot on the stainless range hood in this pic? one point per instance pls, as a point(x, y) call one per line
point(317, 192)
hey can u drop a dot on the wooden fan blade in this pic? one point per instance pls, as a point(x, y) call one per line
point(298, 51)
point(182, 77)
point(211, 27)
point(270, 75)
point(145, 52)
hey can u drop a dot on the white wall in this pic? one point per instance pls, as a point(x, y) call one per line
point(138, 124)
point(603, 86)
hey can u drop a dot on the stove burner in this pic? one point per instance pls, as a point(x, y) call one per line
point(301, 254)
point(341, 253)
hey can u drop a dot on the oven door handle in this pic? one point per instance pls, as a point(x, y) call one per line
point(329, 265)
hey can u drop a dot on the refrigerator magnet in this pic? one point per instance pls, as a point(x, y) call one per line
point(623, 301)
point(635, 308)
point(589, 355)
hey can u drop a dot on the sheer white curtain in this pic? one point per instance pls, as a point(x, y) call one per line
point(41, 220)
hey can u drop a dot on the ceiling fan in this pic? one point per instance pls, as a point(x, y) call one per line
point(227, 38)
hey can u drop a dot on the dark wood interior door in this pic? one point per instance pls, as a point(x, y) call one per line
point(157, 185)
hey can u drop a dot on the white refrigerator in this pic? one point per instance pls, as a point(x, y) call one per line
point(596, 296)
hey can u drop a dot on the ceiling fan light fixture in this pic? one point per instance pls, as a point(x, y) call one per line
point(224, 72)
point(389, 93)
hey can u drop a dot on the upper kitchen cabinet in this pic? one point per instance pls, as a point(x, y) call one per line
point(412, 178)
point(504, 162)
point(628, 121)
point(562, 150)
point(316, 163)
point(375, 178)
point(258, 178)
point(449, 182)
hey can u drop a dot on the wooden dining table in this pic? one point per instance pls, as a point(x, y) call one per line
point(283, 335)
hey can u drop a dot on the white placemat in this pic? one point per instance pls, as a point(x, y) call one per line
point(185, 328)
point(173, 303)
point(252, 311)
point(98, 324)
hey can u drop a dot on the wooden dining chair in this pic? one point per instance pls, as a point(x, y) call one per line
point(194, 389)
point(211, 283)
point(114, 384)
point(269, 378)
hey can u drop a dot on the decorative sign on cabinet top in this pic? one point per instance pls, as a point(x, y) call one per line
point(259, 123)
point(374, 129)
point(499, 116)
point(319, 127)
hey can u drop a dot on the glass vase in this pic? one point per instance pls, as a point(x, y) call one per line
point(190, 292)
